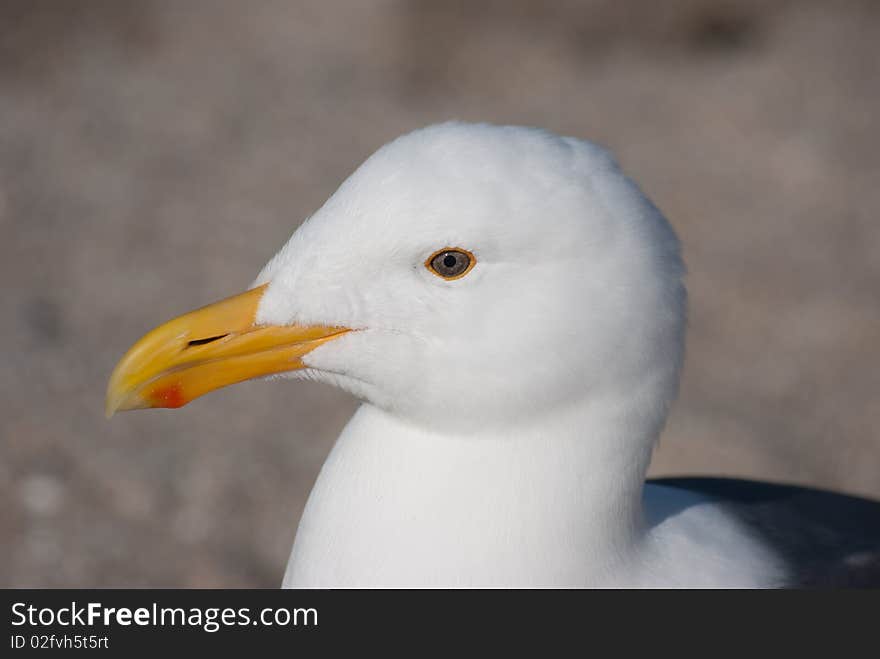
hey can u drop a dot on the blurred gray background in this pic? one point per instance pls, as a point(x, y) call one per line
point(154, 154)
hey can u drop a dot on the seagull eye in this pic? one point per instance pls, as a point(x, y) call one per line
point(451, 263)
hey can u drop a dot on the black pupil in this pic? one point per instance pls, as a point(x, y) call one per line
point(449, 260)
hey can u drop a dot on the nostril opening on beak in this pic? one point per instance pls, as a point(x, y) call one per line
point(201, 342)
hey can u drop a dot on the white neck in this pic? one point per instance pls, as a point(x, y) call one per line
point(554, 504)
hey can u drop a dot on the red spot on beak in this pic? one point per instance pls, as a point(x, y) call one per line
point(168, 396)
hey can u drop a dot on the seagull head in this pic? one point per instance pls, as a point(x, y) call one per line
point(466, 275)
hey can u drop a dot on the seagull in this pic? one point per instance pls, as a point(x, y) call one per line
point(510, 310)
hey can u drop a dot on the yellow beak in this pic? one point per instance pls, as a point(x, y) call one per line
point(206, 349)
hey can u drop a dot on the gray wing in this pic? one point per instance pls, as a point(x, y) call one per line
point(828, 540)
